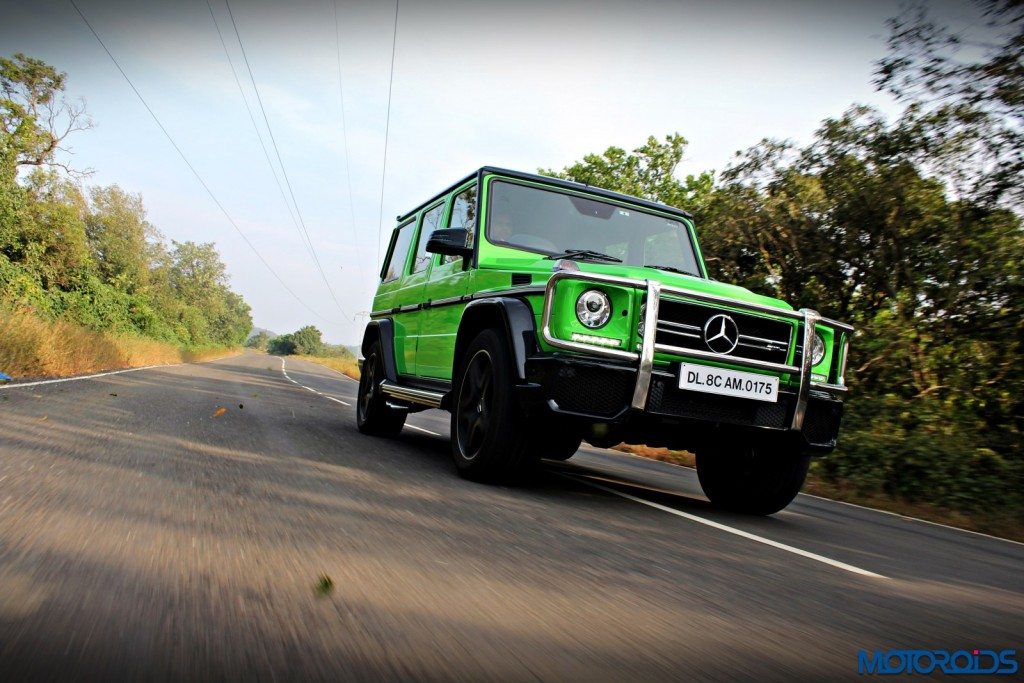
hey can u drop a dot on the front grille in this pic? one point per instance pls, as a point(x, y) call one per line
point(681, 324)
point(666, 399)
point(591, 390)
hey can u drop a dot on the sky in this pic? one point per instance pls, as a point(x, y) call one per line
point(520, 84)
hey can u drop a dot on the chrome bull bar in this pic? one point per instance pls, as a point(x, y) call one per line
point(649, 346)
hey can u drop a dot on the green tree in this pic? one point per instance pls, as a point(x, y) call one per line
point(282, 345)
point(260, 341)
point(967, 88)
point(119, 237)
point(34, 116)
point(648, 172)
point(308, 341)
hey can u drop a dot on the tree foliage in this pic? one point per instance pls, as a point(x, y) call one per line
point(966, 87)
point(90, 254)
point(306, 341)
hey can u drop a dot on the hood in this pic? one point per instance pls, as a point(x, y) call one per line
point(697, 284)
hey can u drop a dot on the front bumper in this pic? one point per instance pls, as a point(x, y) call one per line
point(601, 392)
point(617, 386)
point(643, 361)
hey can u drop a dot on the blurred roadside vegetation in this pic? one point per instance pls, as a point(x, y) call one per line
point(911, 230)
point(84, 260)
point(307, 343)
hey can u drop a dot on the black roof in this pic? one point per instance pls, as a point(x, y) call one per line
point(548, 180)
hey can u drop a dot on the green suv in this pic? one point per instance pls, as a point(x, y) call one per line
point(542, 312)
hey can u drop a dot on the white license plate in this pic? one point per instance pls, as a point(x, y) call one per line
point(729, 382)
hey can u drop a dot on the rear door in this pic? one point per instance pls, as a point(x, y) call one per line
point(416, 282)
point(394, 292)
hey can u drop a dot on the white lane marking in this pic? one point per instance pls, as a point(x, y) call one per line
point(611, 451)
point(421, 429)
point(284, 372)
point(913, 519)
point(74, 379)
point(728, 529)
point(331, 398)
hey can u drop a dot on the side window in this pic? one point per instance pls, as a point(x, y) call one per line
point(463, 216)
point(399, 252)
point(431, 222)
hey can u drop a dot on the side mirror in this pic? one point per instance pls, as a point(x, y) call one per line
point(450, 242)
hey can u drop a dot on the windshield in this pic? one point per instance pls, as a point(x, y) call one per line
point(550, 222)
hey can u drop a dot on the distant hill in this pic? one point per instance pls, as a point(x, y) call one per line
point(257, 330)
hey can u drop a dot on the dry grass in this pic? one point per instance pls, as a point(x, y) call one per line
point(996, 524)
point(684, 458)
point(346, 366)
point(31, 346)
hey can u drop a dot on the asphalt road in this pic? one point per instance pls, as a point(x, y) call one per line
point(144, 536)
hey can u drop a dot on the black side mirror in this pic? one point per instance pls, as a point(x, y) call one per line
point(450, 242)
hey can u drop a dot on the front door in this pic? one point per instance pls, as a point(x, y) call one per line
point(447, 282)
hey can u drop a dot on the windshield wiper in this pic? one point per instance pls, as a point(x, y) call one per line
point(670, 269)
point(584, 254)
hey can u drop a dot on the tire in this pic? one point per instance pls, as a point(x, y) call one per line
point(491, 441)
point(750, 479)
point(557, 441)
point(373, 414)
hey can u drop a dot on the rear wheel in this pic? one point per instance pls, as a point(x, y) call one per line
point(373, 414)
point(490, 438)
point(751, 479)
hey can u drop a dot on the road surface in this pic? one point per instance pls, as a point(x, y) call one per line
point(146, 533)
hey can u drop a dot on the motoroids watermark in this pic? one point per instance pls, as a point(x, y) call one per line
point(954, 662)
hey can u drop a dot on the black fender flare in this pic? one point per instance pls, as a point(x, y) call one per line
point(383, 331)
point(510, 315)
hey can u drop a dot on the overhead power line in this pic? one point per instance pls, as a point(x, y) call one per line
point(387, 130)
point(284, 171)
point(252, 119)
point(188, 163)
point(344, 136)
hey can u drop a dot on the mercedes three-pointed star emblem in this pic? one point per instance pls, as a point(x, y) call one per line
point(721, 333)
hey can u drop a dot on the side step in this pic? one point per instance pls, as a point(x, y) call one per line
point(422, 397)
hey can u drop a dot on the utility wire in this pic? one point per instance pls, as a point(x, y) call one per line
point(255, 127)
point(387, 129)
point(284, 172)
point(344, 135)
point(189, 164)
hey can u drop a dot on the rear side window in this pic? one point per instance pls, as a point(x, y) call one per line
point(463, 216)
point(399, 252)
point(431, 222)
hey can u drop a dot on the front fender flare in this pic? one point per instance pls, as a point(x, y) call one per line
point(513, 317)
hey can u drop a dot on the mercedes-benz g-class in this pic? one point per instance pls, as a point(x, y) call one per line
point(542, 312)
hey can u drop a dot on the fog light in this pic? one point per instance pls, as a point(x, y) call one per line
point(596, 341)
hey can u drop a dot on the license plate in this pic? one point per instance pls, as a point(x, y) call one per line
point(729, 382)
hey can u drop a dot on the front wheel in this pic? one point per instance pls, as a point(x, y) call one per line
point(752, 479)
point(490, 438)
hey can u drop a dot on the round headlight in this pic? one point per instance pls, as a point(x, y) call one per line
point(593, 308)
point(643, 320)
point(818, 349)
